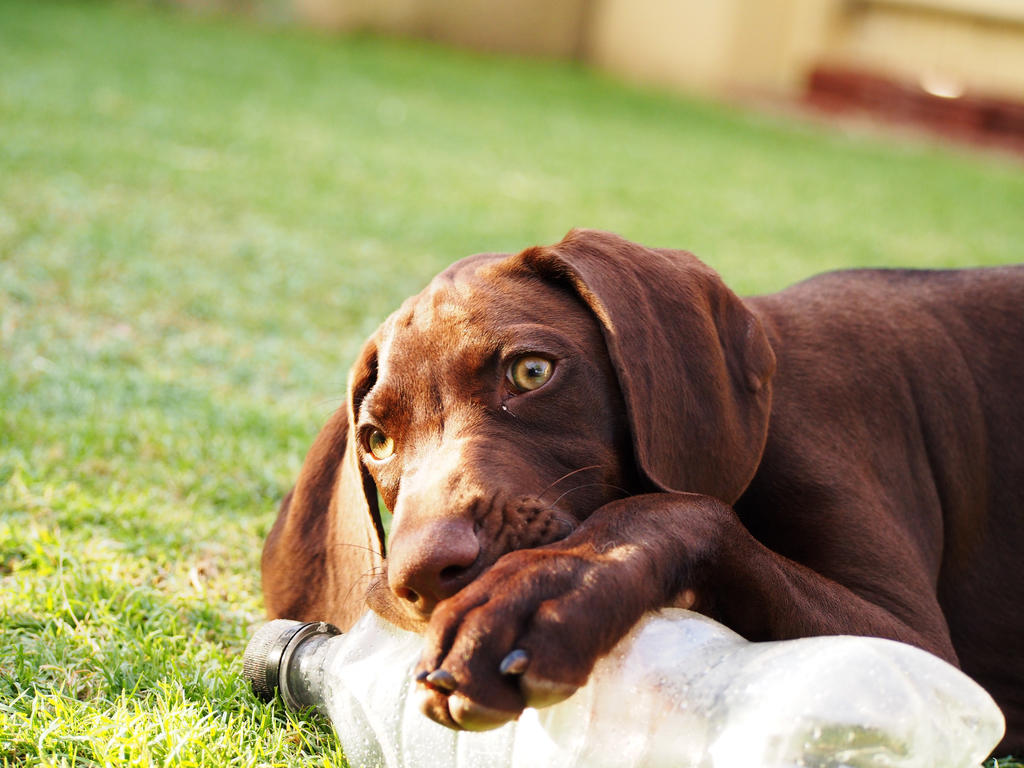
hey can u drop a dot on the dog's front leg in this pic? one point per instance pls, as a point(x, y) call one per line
point(529, 630)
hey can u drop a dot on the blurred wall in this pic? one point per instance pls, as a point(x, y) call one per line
point(949, 46)
point(551, 28)
point(725, 45)
point(767, 46)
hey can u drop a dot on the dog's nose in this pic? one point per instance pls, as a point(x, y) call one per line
point(432, 562)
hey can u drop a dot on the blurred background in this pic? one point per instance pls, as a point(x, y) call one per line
point(953, 66)
point(206, 207)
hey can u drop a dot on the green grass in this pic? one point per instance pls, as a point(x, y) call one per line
point(199, 223)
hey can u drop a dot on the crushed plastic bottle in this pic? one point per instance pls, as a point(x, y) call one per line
point(679, 691)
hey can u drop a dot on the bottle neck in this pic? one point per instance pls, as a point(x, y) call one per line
point(301, 677)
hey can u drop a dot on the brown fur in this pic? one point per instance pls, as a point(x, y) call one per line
point(845, 456)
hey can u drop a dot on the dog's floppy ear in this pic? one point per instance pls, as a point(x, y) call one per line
point(327, 541)
point(693, 361)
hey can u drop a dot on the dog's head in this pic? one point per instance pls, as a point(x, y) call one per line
point(506, 402)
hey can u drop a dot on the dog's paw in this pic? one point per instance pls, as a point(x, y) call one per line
point(527, 633)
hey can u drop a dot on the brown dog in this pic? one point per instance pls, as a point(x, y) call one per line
point(577, 434)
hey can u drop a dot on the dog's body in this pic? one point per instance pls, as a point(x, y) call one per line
point(577, 434)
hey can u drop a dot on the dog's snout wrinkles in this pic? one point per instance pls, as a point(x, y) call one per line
point(432, 562)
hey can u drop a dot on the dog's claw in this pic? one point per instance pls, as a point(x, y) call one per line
point(440, 679)
point(515, 663)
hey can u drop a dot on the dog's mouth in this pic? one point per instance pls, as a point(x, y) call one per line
point(382, 601)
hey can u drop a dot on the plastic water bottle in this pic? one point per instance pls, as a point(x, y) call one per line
point(679, 691)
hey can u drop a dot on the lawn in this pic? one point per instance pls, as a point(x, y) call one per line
point(200, 220)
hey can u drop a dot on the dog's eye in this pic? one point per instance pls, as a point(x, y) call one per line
point(379, 444)
point(529, 372)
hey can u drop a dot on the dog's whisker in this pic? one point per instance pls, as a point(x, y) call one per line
point(623, 491)
point(566, 476)
point(358, 546)
point(371, 576)
point(566, 524)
